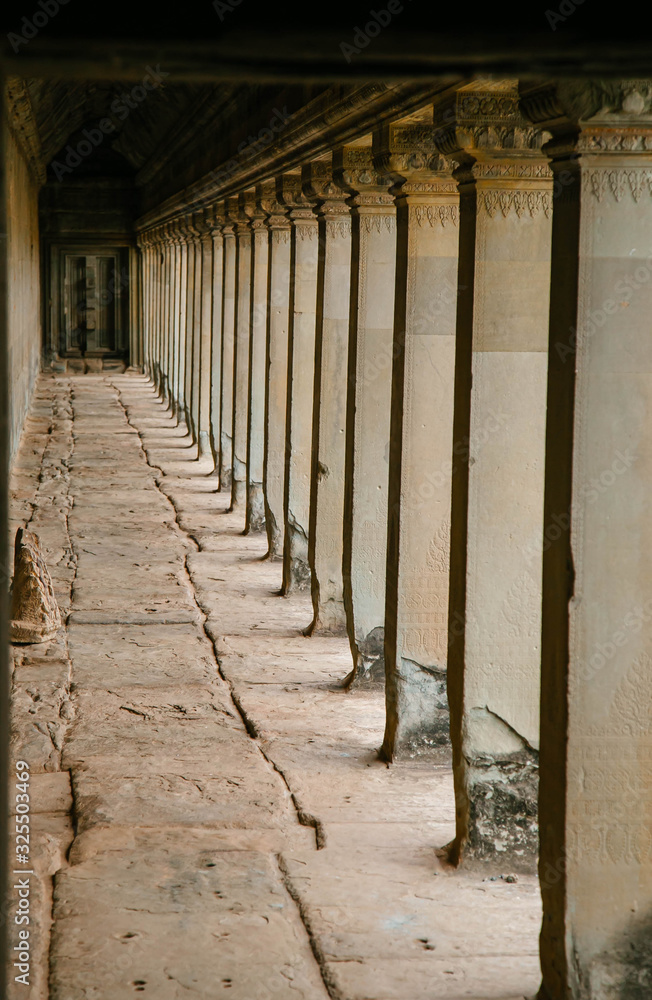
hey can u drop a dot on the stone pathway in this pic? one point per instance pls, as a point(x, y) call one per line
point(209, 813)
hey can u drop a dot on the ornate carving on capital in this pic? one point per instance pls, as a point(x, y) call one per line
point(355, 172)
point(617, 182)
point(377, 222)
point(202, 224)
point(522, 202)
point(432, 215)
point(188, 229)
point(338, 228)
point(238, 215)
point(274, 210)
point(514, 170)
point(304, 220)
point(307, 232)
point(592, 116)
point(215, 221)
point(321, 187)
point(169, 234)
point(228, 226)
point(479, 123)
point(289, 191)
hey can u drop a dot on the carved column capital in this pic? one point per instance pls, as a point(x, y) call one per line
point(228, 226)
point(370, 198)
point(169, 233)
point(204, 225)
point(275, 211)
point(190, 233)
point(255, 212)
point(421, 176)
point(497, 150)
point(320, 183)
point(297, 205)
point(605, 126)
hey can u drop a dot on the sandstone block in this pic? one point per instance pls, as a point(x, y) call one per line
point(35, 614)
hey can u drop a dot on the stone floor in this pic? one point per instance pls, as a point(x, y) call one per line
point(208, 810)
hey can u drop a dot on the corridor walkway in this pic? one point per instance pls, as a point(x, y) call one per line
point(210, 816)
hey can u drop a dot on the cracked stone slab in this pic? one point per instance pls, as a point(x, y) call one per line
point(171, 617)
point(139, 656)
point(169, 793)
point(184, 926)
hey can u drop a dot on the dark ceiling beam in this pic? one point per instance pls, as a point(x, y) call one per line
point(273, 57)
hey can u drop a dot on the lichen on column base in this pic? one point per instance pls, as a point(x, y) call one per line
point(369, 669)
point(503, 810)
point(255, 507)
point(296, 569)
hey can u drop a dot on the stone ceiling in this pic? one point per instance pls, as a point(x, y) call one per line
point(142, 117)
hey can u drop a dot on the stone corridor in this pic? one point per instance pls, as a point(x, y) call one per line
point(210, 813)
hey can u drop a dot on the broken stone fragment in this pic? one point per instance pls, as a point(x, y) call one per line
point(35, 614)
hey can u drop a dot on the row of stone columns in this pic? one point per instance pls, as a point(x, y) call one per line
point(372, 346)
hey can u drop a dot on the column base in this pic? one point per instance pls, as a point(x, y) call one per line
point(204, 447)
point(274, 538)
point(329, 619)
point(226, 471)
point(418, 723)
point(190, 425)
point(296, 569)
point(255, 508)
point(503, 795)
point(369, 669)
point(238, 494)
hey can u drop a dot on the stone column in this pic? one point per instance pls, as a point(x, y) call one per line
point(168, 314)
point(325, 545)
point(216, 221)
point(241, 355)
point(160, 306)
point(596, 739)
point(255, 520)
point(205, 335)
point(136, 317)
point(421, 440)
point(156, 279)
point(172, 294)
point(277, 362)
point(176, 322)
point(300, 394)
point(144, 244)
point(369, 400)
point(191, 236)
point(497, 499)
point(228, 344)
point(196, 326)
point(183, 292)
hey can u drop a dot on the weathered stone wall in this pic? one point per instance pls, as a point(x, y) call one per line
point(24, 313)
